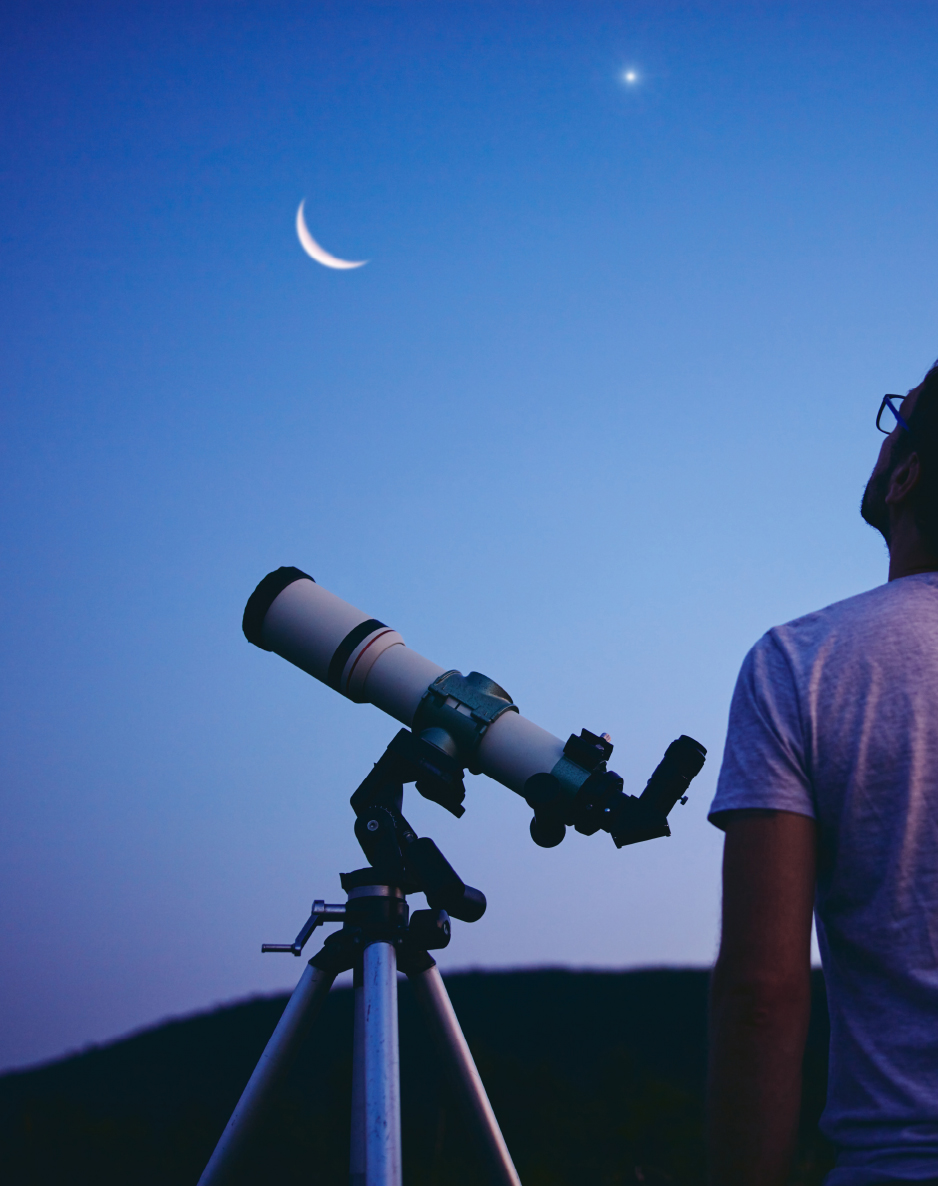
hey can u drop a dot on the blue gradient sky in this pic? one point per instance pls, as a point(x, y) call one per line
point(598, 412)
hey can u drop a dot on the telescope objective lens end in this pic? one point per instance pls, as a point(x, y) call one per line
point(263, 597)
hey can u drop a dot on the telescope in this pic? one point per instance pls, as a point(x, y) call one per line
point(452, 723)
point(459, 722)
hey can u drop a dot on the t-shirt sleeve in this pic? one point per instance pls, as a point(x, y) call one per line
point(764, 764)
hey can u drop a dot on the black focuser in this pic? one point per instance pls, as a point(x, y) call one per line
point(600, 802)
point(551, 800)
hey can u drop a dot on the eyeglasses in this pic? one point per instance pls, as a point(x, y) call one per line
point(889, 426)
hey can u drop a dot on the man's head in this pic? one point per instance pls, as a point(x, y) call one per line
point(901, 497)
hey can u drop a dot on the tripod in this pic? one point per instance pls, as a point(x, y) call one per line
point(380, 937)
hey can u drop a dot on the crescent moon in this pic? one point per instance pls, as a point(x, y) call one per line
point(314, 251)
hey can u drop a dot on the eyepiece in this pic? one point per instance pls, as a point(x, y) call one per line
point(683, 760)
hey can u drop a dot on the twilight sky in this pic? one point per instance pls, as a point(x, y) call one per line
point(596, 414)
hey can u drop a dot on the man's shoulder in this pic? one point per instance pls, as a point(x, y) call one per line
point(870, 603)
point(865, 616)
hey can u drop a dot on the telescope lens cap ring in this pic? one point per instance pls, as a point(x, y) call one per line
point(263, 598)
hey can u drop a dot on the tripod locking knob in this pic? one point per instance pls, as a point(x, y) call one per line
point(429, 929)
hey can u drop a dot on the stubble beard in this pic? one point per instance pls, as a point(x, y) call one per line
point(873, 507)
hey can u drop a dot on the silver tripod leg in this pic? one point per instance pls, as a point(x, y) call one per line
point(357, 1152)
point(451, 1046)
point(382, 1067)
point(302, 1007)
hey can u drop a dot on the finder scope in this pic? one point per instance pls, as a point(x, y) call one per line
point(467, 721)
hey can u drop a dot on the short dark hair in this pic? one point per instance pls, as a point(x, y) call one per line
point(923, 440)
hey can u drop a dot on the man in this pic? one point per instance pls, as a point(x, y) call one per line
point(828, 796)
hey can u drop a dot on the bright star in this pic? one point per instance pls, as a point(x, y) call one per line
point(629, 76)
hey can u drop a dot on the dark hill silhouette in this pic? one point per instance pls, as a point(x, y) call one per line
point(597, 1079)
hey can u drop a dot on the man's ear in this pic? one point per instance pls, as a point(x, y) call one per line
point(903, 480)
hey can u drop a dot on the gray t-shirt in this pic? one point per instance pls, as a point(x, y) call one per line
point(835, 716)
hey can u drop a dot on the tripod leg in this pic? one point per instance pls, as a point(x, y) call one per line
point(382, 1069)
point(357, 1158)
point(448, 1038)
point(301, 1010)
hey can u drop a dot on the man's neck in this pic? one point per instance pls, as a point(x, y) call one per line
point(909, 552)
point(895, 574)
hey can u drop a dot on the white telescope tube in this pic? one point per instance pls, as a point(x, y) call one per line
point(368, 662)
